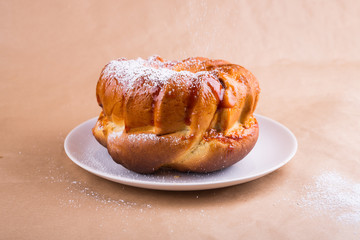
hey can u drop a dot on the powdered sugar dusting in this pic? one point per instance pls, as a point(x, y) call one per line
point(152, 72)
point(144, 137)
point(86, 192)
point(334, 195)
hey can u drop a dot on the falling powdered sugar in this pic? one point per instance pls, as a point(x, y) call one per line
point(335, 196)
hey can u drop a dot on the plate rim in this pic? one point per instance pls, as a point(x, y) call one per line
point(173, 186)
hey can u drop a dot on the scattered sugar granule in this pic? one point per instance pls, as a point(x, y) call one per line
point(335, 196)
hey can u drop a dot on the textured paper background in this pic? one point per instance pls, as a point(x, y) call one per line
point(305, 54)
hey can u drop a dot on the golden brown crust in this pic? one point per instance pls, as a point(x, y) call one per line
point(191, 115)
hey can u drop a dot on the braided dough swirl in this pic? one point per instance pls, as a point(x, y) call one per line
point(191, 115)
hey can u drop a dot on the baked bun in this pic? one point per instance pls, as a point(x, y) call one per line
point(192, 115)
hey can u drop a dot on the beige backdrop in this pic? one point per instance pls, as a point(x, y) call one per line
point(305, 54)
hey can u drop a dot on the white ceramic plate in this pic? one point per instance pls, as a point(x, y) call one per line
point(275, 147)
